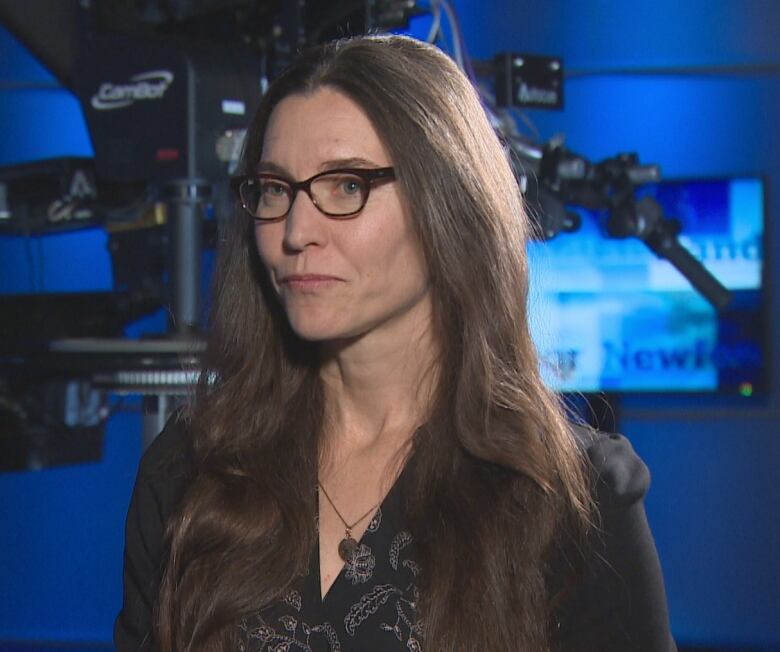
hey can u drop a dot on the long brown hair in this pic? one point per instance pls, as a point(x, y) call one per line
point(495, 484)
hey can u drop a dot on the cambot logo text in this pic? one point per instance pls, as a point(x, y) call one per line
point(149, 85)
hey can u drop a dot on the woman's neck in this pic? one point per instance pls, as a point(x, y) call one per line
point(378, 387)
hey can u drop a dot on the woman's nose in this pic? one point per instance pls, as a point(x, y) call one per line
point(305, 225)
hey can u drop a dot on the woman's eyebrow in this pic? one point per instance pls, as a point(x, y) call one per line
point(352, 162)
point(272, 168)
point(331, 164)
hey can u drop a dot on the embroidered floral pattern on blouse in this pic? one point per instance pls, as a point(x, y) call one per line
point(293, 598)
point(297, 636)
point(406, 627)
point(412, 565)
point(368, 605)
point(373, 526)
point(400, 541)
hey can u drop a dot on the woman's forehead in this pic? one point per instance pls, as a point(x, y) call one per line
point(325, 125)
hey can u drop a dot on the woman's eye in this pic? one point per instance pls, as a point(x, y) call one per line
point(272, 189)
point(350, 186)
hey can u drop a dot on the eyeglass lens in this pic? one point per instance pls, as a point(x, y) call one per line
point(339, 193)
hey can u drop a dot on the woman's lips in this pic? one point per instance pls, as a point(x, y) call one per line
point(308, 281)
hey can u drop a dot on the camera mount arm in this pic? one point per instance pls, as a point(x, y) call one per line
point(610, 185)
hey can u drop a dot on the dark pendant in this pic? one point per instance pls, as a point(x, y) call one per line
point(347, 548)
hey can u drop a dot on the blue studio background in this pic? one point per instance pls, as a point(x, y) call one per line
point(693, 85)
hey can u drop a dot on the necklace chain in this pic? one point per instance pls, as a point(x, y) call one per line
point(338, 513)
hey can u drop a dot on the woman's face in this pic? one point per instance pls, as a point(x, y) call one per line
point(340, 278)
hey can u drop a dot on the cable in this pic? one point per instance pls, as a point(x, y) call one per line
point(433, 32)
point(456, 35)
point(503, 118)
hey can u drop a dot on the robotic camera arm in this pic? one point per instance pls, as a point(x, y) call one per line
point(563, 178)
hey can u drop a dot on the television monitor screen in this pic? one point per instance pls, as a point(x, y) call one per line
point(608, 315)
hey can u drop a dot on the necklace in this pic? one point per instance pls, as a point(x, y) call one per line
point(347, 545)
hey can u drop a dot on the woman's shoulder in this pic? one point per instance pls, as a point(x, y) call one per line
point(618, 602)
point(622, 478)
point(168, 461)
point(163, 473)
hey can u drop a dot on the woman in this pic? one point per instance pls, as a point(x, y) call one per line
point(372, 461)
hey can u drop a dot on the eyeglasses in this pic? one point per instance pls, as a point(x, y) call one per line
point(337, 193)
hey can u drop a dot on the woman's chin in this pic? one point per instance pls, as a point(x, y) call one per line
point(317, 330)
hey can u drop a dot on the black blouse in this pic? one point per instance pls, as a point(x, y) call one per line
point(370, 605)
point(619, 606)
